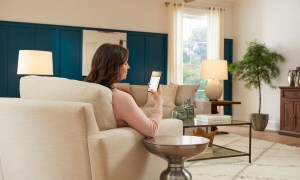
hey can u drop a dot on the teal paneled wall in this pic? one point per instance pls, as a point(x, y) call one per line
point(66, 44)
point(47, 38)
point(3, 63)
point(17, 38)
point(26, 36)
point(71, 53)
point(136, 43)
point(156, 56)
point(146, 53)
point(228, 45)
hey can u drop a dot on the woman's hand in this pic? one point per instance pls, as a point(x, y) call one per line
point(156, 96)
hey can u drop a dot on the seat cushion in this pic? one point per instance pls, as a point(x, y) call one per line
point(54, 88)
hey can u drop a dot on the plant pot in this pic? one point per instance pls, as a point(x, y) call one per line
point(259, 121)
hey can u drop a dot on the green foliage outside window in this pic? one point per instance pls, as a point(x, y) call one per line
point(194, 52)
point(194, 48)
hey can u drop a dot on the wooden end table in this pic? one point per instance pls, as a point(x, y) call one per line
point(215, 104)
point(214, 110)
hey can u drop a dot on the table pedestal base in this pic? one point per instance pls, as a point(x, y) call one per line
point(175, 172)
point(175, 150)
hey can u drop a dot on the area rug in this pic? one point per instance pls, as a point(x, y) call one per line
point(270, 161)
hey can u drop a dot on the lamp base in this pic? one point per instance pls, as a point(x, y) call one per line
point(213, 90)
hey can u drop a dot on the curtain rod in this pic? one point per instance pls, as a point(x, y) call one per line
point(204, 7)
point(194, 6)
point(168, 3)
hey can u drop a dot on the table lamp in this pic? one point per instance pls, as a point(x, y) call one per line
point(35, 62)
point(214, 71)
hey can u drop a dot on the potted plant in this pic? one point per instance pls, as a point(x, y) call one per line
point(259, 64)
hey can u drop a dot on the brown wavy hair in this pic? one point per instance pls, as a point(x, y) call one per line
point(106, 64)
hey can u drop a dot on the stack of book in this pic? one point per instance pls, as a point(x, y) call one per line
point(213, 118)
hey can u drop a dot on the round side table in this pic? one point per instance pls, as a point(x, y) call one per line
point(176, 149)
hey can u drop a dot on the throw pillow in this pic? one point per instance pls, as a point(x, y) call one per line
point(186, 92)
point(168, 94)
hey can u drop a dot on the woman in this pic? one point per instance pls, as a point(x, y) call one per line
point(110, 66)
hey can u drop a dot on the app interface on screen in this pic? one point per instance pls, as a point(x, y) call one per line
point(154, 81)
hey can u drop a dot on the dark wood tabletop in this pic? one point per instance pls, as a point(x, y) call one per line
point(215, 104)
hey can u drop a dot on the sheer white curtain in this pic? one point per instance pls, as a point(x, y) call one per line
point(175, 63)
point(215, 37)
point(215, 32)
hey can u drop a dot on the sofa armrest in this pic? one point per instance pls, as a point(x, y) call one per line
point(43, 139)
point(170, 127)
point(202, 107)
point(111, 148)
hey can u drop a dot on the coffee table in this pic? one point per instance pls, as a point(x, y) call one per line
point(176, 149)
point(220, 151)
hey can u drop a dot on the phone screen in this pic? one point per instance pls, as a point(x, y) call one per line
point(154, 80)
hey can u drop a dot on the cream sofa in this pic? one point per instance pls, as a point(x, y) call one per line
point(65, 129)
point(173, 95)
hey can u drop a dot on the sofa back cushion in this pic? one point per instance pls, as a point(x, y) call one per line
point(139, 94)
point(53, 88)
point(124, 87)
point(186, 92)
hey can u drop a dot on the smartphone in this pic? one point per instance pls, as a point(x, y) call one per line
point(154, 80)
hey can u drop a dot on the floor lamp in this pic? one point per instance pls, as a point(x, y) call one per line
point(35, 62)
point(214, 71)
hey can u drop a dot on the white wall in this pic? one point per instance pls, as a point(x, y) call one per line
point(275, 23)
point(135, 15)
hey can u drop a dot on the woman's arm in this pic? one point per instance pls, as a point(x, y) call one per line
point(127, 110)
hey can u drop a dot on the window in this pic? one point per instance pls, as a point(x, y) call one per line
point(194, 33)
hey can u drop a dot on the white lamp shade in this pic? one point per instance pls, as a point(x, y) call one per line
point(214, 69)
point(35, 62)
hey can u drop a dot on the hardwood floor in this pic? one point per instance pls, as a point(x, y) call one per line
point(268, 135)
